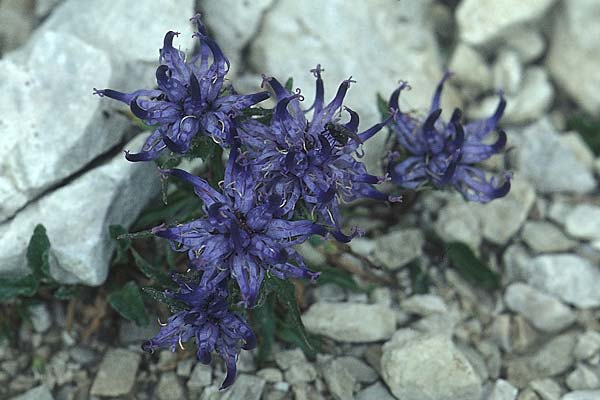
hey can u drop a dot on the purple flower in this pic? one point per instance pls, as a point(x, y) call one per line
point(190, 98)
point(444, 154)
point(310, 161)
point(208, 321)
point(239, 236)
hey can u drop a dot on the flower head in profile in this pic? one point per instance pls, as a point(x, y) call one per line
point(445, 154)
point(312, 161)
point(240, 236)
point(208, 321)
point(191, 98)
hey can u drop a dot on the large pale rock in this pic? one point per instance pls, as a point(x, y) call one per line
point(16, 23)
point(502, 218)
point(40, 150)
point(350, 322)
point(483, 21)
point(582, 395)
point(469, 67)
point(367, 41)
point(575, 52)
point(545, 237)
point(546, 162)
point(457, 222)
point(428, 368)
point(234, 23)
point(567, 276)
point(77, 217)
point(583, 222)
point(545, 312)
point(117, 372)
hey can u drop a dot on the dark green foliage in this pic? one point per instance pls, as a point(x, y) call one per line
point(152, 272)
point(128, 302)
point(119, 234)
point(470, 267)
point(159, 295)
point(589, 129)
point(337, 276)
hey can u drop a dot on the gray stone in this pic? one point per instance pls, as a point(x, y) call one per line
point(113, 193)
point(116, 374)
point(573, 49)
point(588, 344)
point(545, 312)
point(286, 358)
point(44, 7)
point(37, 393)
point(377, 391)
point(40, 318)
point(329, 292)
point(492, 357)
point(169, 387)
point(50, 149)
point(516, 261)
point(358, 369)
point(507, 71)
point(482, 21)
point(184, 367)
point(130, 332)
point(247, 387)
point(503, 390)
point(579, 148)
point(529, 103)
point(339, 321)
point(554, 358)
point(583, 222)
point(469, 67)
point(582, 395)
point(429, 368)
point(528, 394)
point(316, 31)
point(300, 373)
point(583, 378)
point(271, 375)
point(529, 43)
point(398, 248)
point(545, 237)
point(543, 159)
point(424, 304)
point(567, 276)
point(547, 388)
point(234, 23)
point(16, 23)
point(502, 218)
point(457, 222)
point(339, 380)
point(83, 355)
point(200, 378)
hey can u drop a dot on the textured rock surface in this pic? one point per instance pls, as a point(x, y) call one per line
point(545, 237)
point(77, 217)
point(349, 322)
point(548, 164)
point(38, 393)
point(567, 276)
point(117, 372)
point(545, 312)
point(429, 368)
point(56, 79)
point(575, 50)
point(457, 222)
point(398, 248)
point(371, 45)
point(583, 222)
point(480, 22)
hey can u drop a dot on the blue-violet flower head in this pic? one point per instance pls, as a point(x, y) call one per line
point(311, 161)
point(191, 98)
point(240, 236)
point(208, 321)
point(444, 154)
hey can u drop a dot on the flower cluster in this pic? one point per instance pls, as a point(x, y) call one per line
point(285, 181)
point(444, 154)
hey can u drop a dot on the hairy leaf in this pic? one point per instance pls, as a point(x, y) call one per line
point(470, 267)
point(128, 302)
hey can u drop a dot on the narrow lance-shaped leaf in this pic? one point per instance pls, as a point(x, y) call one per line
point(152, 272)
point(470, 267)
point(159, 295)
point(119, 234)
point(38, 254)
point(128, 302)
point(11, 288)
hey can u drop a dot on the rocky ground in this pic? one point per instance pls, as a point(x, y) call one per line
point(535, 338)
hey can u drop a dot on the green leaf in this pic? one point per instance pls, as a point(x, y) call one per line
point(589, 129)
point(201, 147)
point(382, 106)
point(470, 267)
point(338, 277)
point(66, 292)
point(286, 295)
point(159, 295)
point(38, 254)
point(419, 279)
point(152, 272)
point(10, 288)
point(118, 233)
point(289, 84)
point(128, 302)
point(137, 235)
point(289, 334)
point(263, 318)
point(217, 169)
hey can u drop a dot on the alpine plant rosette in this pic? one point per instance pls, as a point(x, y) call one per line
point(288, 173)
point(311, 161)
point(191, 97)
point(445, 154)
